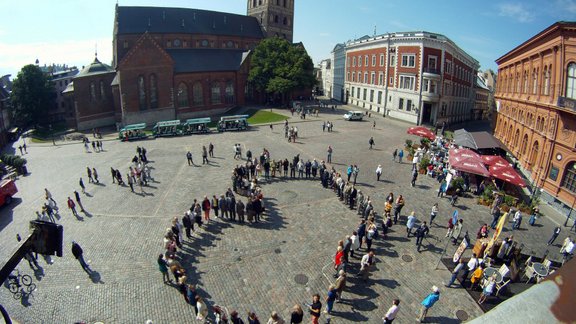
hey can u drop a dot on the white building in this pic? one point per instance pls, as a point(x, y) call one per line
point(338, 72)
point(326, 77)
point(419, 77)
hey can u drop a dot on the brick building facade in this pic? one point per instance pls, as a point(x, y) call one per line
point(176, 63)
point(536, 118)
point(419, 77)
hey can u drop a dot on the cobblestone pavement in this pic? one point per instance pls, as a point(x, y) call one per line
point(243, 267)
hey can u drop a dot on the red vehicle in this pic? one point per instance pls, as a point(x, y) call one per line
point(7, 190)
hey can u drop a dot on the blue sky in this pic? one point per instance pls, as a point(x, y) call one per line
point(67, 31)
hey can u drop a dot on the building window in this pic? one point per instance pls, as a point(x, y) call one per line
point(425, 83)
point(373, 60)
point(401, 104)
point(285, 3)
point(204, 43)
point(177, 43)
point(285, 21)
point(359, 61)
point(432, 62)
point(354, 61)
point(381, 78)
point(358, 93)
point(359, 77)
point(141, 93)
point(197, 94)
point(102, 91)
point(92, 92)
point(547, 80)
point(365, 77)
point(391, 81)
point(393, 60)
point(353, 77)
point(571, 81)
point(371, 95)
point(182, 95)
point(347, 76)
point(364, 94)
point(229, 98)
point(535, 81)
point(569, 179)
point(366, 60)
point(448, 68)
point(276, 18)
point(408, 60)
point(381, 59)
point(408, 105)
point(525, 81)
point(153, 92)
point(379, 97)
point(215, 94)
point(373, 78)
point(407, 82)
point(125, 44)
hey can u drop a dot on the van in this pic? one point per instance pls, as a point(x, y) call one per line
point(354, 115)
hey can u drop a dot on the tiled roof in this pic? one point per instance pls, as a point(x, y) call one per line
point(137, 20)
point(207, 60)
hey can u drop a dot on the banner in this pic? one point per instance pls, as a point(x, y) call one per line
point(460, 250)
point(497, 231)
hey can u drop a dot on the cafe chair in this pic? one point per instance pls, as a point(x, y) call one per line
point(547, 263)
point(504, 271)
point(529, 273)
point(528, 262)
point(502, 285)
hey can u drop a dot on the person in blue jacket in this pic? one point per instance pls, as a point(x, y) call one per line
point(428, 302)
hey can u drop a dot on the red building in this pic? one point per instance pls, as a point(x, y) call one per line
point(536, 104)
point(175, 63)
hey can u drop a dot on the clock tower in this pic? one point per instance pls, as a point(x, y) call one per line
point(276, 17)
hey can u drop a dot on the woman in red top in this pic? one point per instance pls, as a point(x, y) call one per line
point(206, 208)
point(338, 259)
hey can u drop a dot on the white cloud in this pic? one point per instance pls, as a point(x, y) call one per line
point(14, 56)
point(515, 11)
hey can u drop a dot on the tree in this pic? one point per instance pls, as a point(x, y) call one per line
point(279, 67)
point(32, 95)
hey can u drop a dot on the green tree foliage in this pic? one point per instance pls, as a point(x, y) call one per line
point(278, 67)
point(32, 95)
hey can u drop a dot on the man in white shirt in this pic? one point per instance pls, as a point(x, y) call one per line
point(391, 314)
point(568, 250)
point(470, 267)
point(365, 265)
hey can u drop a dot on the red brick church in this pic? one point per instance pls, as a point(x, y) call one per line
point(175, 63)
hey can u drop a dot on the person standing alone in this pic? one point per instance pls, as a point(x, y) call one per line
point(79, 255)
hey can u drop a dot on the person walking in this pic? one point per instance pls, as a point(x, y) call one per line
point(554, 235)
point(189, 158)
point(428, 302)
point(79, 255)
point(410, 223)
point(95, 175)
point(77, 196)
point(495, 217)
point(72, 206)
point(329, 154)
point(394, 154)
point(414, 177)
point(340, 284)
point(392, 311)
point(434, 213)
point(211, 150)
point(130, 182)
point(371, 142)
point(378, 172)
point(89, 173)
point(455, 272)
point(517, 220)
point(457, 231)
point(81, 183)
point(365, 265)
point(400, 155)
point(421, 232)
point(163, 267)
point(205, 155)
point(315, 308)
point(202, 314)
point(113, 172)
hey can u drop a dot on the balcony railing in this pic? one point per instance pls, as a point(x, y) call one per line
point(431, 71)
point(567, 103)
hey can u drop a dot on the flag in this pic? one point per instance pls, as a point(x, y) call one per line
point(497, 231)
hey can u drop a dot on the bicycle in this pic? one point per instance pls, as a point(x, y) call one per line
point(20, 285)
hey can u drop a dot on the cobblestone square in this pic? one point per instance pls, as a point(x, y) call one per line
point(240, 266)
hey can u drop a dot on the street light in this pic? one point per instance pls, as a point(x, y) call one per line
point(570, 213)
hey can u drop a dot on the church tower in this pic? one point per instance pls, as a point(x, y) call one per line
point(275, 16)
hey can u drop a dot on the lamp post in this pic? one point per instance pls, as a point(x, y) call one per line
point(570, 213)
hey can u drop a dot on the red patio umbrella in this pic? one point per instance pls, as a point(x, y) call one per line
point(464, 153)
point(422, 132)
point(508, 174)
point(495, 160)
point(469, 165)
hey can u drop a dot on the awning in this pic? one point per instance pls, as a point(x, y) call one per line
point(476, 140)
point(464, 153)
point(508, 174)
point(422, 132)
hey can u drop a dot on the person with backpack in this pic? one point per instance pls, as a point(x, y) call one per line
point(421, 232)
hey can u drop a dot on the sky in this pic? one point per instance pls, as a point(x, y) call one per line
point(69, 31)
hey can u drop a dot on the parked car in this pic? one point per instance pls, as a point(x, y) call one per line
point(354, 115)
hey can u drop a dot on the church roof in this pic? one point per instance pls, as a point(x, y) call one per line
point(207, 60)
point(137, 20)
point(95, 67)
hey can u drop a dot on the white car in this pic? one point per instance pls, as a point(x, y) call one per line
point(354, 115)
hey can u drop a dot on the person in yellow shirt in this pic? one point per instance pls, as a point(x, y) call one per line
point(477, 276)
point(387, 208)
